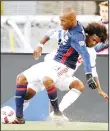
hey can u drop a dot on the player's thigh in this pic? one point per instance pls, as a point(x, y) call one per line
point(32, 74)
point(64, 83)
point(38, 72)
point(33, 88)
point(52, 74)
point(36, 86)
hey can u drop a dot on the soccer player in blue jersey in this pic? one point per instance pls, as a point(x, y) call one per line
point(71, 44)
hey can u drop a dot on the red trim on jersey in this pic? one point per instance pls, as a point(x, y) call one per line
point(66, 55)
point(21, 89)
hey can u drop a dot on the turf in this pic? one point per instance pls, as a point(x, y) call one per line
point(34, 125)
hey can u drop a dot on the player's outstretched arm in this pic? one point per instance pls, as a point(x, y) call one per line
point(78, 43)
point(95, 75)
point(101, 46)
point(99, 89)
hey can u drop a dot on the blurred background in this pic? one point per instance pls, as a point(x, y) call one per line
point(34, 18)
point(48, 7)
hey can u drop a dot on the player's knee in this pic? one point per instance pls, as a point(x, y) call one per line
point(47, 81)
point(21, 80)
point(77, 84)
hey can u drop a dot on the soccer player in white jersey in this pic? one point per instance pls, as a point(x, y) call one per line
point(62, 66)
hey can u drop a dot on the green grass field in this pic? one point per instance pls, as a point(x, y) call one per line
point(32, 125)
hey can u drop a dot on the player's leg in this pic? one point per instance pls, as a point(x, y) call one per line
point(47, 77)
point(32, 89)
point(76, 88)
point(52, 94)
point(28, 76)
point(21, 89)
point(23, 95)
point(30, 94)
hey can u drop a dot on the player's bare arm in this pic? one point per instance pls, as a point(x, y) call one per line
point(99, 89)
point(38, 50)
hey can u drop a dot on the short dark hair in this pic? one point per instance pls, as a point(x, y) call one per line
point(98, 29)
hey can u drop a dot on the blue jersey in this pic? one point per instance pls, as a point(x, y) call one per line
point(66, 53)
point(71, 44)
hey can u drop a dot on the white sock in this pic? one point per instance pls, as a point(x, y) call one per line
point(69, 98)
point(26, 104)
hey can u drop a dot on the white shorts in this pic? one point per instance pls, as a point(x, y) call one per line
point(37, 72)
point(62, 84)
point(60, 73)
point(36, 86)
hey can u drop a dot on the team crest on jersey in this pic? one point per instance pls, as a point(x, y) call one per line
point(81, 43)
point(65, 39)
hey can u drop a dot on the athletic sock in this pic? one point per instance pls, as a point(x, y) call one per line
point(20, 94)
point(52, 94)
point(69, 98)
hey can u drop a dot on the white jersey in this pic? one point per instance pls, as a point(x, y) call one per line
point(92, 54)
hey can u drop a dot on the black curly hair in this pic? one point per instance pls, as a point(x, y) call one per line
point(98, 29)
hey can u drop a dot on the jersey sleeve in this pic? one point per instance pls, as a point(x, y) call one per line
point(94, 72)
point(78, 43)
point(101, 46)
point(93, 62)
point(53, 33)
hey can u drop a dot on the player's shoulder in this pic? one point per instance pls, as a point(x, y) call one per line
point(77, 29)
point(78, 37)
point(77, 32)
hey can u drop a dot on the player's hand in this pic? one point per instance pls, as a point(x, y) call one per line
point(104, 95)
point(90, 81)
point(37, 52)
